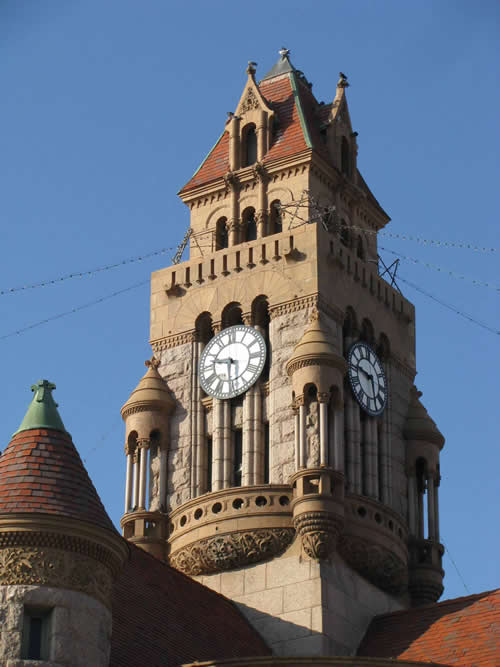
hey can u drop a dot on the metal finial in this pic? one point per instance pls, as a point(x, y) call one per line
point(284, 52)
point(152, 363)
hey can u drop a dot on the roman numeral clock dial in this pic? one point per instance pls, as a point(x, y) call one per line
point(367, 378)
point(232, 361)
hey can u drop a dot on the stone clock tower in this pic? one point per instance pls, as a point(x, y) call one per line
point(303, 486)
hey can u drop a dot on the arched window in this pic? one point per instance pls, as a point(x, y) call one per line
point(384, 347)
point(276, 226)
point(221, 235)
point(350, 326)
point(203, 328)
point(249, 225)
point(345, 237)
point(360, 250)
point(231, 315)
point(344, 157)
point(367, 334)
point(249, 145)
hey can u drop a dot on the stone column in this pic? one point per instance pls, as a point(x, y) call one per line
point(385, 460)
point(420, 513)
point(323, 398)
point(218, 444)
point(302, 432)
point(227, 478)
point(162, 486)
point(338, 433)
point(297, 436)
point(234, 144)
point(233, 225)
point(431, 510)
point(143, 444)
point(412, 502)
point(193, 413)
point(261, 216)
point(370, 473)
point(353, 433)
point(248, 439)
point(262, 136)
point(129, 478)
point(436, 509)
point(258, 477)
point(135, 490)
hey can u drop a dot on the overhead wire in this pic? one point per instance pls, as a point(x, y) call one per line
point(73, 310)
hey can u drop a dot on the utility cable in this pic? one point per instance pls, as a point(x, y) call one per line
point(73, 310)
point(83, 274)
point(454, 309)
point(456, 568)
point(453, 274)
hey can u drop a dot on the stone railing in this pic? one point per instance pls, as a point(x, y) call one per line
point(230, 528)
point(374, 543)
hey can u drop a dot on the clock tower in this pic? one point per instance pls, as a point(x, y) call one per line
point(277, 448)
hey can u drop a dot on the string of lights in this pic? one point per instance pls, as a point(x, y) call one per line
point(440, 269)
point(73, 310)
point(84, 274)
point(454, 309)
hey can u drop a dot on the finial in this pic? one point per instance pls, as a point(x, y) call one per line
point(252, 67)
point(284, 52)
point(43, 391)
point(342, 82)
point(152, 363)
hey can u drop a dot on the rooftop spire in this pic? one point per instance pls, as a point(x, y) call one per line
point(42, 411)
point(283, 66)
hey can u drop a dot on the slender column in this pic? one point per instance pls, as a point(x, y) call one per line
point(375, 458)
point(353, 445)
point(248, 439)
point(384, 462)
point(218, 445)
point(193, 413)
point(143, 444)
point(135, 490)
point(235, 216)
point(431, 507)
point(338, 435)
point(261, 136)
point(323, 398)
point(297, 436)
point(302, 432)
point(436, 509)
point(129, 479)
point(258, 477)
point(162, 487)
point(227, 478)
point(412, 501)
point(420, 507)
point(234, 143)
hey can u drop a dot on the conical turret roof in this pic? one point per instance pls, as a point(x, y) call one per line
point(152, 391)
point(418, 425)
point(316, 344)
point(41, 471)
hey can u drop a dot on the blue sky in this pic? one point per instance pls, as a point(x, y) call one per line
point(109, 107)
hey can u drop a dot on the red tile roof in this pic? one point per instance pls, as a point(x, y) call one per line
point(42, 473)
point(289, 137)
point(162, 617)
point(464, 631)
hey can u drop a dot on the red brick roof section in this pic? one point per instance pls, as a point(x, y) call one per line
point(289, 136)
point(464, 631)
point(162, 617)
point(42, 473)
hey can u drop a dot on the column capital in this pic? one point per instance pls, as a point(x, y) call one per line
point(323, 396)
point(143, 443)
point(299, 401)
point(247, 319)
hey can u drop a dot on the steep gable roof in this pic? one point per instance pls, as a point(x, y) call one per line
point(163, 617)
point(464, 631)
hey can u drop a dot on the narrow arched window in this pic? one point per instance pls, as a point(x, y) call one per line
point(249, 225)
point(360, 250)
point(249, 146)
point(276, 226)
point(345, 237)
point(221, 235)
point(344, 156)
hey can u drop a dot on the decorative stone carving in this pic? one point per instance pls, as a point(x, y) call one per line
point(226, 552)
point(379, 565)
point(250, 102)
point(319, 532)
point(53, 567)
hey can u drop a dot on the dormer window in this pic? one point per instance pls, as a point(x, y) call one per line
point(344, 157)
point(249, 145)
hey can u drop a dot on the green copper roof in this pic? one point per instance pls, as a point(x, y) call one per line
point(42, 412)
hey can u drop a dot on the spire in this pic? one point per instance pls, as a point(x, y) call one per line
point(42, 411)
point(151, 392)
point(283, 66)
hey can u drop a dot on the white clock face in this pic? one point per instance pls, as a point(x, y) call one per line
point(367, 379)
point(232, 361)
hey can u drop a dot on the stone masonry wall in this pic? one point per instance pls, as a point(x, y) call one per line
point(80, 627)
point(302, 607)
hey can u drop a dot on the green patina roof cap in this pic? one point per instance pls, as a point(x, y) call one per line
point(42, 412)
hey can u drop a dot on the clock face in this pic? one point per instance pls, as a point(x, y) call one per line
point(232, 361)
point(367, 379)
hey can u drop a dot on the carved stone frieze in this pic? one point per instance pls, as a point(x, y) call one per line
point(250, 102)
point(172, 341)
point(319, 532)
point(53, 567)
point(293, 306)
point(226, 552)
point(377, 564)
